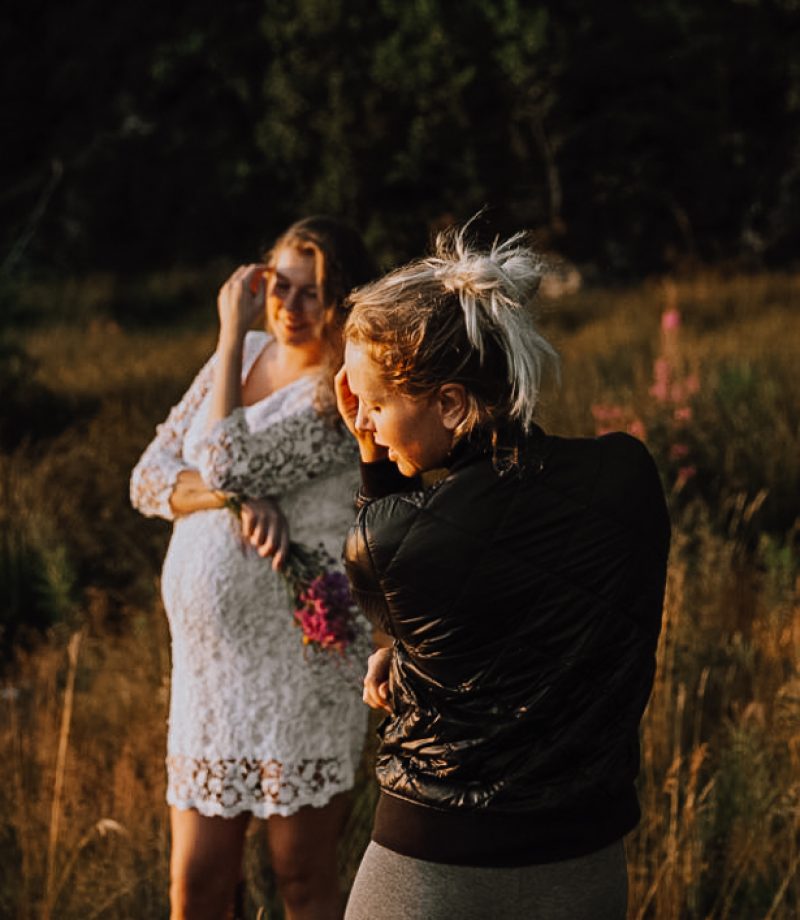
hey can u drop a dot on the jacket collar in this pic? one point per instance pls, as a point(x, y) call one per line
point(508, 449)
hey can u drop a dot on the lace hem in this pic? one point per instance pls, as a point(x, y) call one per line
point(228, 787)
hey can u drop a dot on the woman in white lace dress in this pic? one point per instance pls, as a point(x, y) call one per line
point(256, 727)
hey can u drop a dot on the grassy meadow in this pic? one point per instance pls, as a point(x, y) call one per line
point(706, 369)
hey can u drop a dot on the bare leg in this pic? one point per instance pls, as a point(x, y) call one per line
point(303, 850)
point(205, 864)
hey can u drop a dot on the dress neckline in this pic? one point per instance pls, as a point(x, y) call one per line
point(250, 363)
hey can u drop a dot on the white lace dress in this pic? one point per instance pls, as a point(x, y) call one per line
point(255, 723)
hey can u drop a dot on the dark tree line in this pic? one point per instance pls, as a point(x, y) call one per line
point(628, 135)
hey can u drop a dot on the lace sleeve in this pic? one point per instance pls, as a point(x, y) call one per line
point(274, 460)
point(154, 476)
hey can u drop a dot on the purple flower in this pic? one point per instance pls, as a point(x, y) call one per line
point(325, 606)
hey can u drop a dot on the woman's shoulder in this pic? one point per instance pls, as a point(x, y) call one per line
point(625, 451)
point(390, 512)
point(630, 459)
point(618, 448)
point(620, 476)
point(384, 520)
point(391, 531)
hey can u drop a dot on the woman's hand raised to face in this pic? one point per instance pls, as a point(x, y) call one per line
point(347, 403)
point(241, 302)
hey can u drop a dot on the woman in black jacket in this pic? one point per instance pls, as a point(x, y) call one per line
point(519, 578)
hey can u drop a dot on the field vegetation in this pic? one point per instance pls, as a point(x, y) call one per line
point(704, 368)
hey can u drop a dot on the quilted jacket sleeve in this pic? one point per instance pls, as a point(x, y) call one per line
point(370, 552)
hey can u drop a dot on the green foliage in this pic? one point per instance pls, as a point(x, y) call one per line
point(629, 136)
point(29, 407)
point(750, 406)
point(37, 583)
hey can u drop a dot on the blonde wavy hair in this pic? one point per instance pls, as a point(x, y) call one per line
point(341, 262)
point(461, 315)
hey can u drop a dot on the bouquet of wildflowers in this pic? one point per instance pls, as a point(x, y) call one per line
point(324, 605)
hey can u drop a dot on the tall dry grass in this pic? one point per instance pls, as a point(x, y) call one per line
point(83, 828)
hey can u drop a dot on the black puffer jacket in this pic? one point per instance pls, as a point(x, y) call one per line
point(525, 607)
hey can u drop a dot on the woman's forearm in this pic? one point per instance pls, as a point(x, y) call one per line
point(226, 392)
point(239, 304)
point(192, 494)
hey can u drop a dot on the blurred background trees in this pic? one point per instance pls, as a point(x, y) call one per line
point(632, 137)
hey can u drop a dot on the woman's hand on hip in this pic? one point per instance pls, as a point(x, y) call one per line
point(265, 528)
point(376, 682)
point(241, 302)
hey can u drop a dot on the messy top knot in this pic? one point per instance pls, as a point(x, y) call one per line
point(462, 315)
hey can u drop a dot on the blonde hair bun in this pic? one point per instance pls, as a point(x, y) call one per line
point(461, 314)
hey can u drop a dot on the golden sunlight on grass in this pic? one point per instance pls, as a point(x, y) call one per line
point(712, 388)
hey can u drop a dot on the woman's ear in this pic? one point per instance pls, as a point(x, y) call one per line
point(453, 405)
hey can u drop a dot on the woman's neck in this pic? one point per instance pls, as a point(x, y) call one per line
point(289, 360)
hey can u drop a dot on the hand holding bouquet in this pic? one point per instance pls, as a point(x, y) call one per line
point(324, 606)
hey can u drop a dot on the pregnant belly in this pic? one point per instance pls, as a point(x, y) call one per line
point(212, 582)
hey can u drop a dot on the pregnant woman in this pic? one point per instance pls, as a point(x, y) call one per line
point(252, 453)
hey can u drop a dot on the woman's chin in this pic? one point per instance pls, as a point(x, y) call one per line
point(405, 468)
point(293, 337)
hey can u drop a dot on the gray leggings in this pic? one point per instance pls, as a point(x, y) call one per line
point(389, 886)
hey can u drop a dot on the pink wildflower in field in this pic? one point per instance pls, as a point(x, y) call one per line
point(670, 319)
point(637, 429)
point(666, 420)
point(670, 383)
point(691, 384)
point(662, 380)
point(608, 418)
point(685, 473)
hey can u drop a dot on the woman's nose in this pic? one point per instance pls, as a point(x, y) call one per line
point(363, 422)
point(293, 301)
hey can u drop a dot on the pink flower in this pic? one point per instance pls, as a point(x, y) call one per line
point(605, 413)
point(325, 614)
point(608, 418)
point(682, 414)
point(670, 320)
point(662, 380)
point(637, 429)
point(685, 473)
point(691, 383)
point(678, 452)
point(325, 608)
